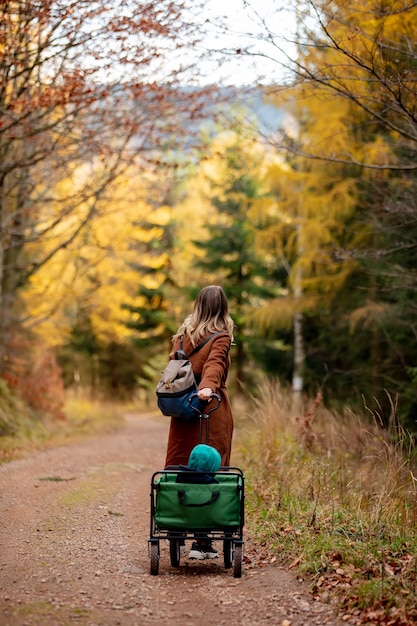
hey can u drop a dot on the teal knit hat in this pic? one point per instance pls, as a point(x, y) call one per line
point(204, 458)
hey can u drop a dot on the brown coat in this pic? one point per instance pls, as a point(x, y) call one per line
point(212, 361)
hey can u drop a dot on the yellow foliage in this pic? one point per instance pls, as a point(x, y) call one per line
point(95, 274)
point(367, 315)
point(279, 313)
point(215, 169)
point(364, 60)
point(309, 202)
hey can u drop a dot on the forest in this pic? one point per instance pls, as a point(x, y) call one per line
point(128, 182)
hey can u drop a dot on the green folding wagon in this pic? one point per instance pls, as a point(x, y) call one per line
point(183, 508)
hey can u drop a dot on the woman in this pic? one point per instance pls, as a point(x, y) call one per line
point(211, 363)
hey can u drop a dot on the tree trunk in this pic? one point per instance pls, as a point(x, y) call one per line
point(299, 354)
point(299, 357)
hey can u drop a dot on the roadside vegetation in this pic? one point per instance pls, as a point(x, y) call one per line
point(334, 498)
point(24, 430)
point(331, 496)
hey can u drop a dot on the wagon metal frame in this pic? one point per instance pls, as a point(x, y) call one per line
point(230, 478)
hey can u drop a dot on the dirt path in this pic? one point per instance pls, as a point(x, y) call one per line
point(74, 525)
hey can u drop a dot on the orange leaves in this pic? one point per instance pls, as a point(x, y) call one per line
point(305, 423)
point(33, 373)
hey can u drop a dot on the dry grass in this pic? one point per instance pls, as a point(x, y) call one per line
point(83, 417)
point(337, 497)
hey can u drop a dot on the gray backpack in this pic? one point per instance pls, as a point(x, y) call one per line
point(178, 383)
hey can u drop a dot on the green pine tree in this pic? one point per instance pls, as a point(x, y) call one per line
point(228, 256)
point(152, 317)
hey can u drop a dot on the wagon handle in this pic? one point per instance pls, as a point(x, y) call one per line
point(213, 408)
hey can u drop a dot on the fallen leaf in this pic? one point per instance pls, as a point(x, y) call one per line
point(389, 570)
point(295, 562)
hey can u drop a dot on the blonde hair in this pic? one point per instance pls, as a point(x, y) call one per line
point(210, 314)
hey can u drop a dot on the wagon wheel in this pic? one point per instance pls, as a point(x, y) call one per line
point(154, 552)
point(237, 562)
point(228, 553)
point(174, 552)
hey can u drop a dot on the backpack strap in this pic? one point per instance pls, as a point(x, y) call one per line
point(203, 343)
point(180, 354)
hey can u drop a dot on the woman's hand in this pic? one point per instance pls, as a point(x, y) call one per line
point(205, 393)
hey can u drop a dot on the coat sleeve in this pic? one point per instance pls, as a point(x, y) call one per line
point(216, 366)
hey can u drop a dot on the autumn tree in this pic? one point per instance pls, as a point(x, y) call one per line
point(85, 92)
point(365, 54)
point(358, 58)
point(98, 301)
point(303, 229)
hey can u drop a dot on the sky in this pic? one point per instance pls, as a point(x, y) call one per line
point(265, 26)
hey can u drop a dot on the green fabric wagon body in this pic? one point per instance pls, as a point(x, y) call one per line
point(196, 506)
